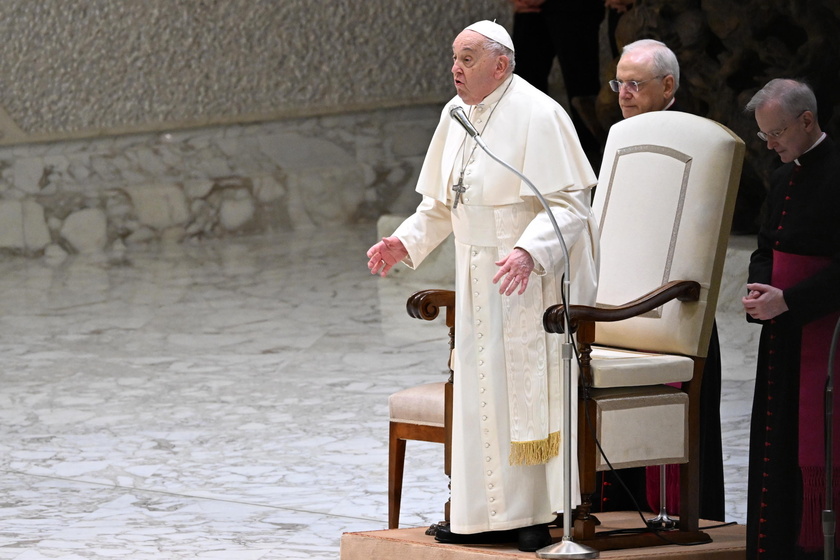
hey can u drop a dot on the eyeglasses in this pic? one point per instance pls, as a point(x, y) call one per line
point(631, 85)
point(775, 134)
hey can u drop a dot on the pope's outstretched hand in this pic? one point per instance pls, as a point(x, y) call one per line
point(385, 254)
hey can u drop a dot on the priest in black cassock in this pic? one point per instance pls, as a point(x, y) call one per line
point(794, 292)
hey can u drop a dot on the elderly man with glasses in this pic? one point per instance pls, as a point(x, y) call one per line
point(646, 78)
point(792, 292)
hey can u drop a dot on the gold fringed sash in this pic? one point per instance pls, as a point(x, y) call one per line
point(536, 452)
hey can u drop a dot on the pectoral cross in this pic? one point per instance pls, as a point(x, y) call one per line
point(459, 189)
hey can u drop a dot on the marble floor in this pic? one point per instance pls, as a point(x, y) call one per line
point(222, 400)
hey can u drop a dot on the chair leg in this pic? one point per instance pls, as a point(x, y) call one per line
point(583, 525)
point(396, 462)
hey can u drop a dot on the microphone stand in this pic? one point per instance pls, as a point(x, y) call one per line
point(566, 548)
point(663, 520)
point(828, 514)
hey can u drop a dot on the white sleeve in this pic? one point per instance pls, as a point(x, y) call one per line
point(572, 212)
point(424, 230)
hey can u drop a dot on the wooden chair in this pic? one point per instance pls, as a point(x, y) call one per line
point(424, 412)
point(664, 204)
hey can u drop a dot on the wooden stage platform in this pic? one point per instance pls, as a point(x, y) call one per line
point(410, 544)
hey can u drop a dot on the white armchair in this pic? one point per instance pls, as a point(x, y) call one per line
point(664, 203)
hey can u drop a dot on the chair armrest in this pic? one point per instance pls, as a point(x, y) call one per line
point(426, 304)
point(682, 290)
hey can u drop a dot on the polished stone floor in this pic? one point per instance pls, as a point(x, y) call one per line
point(222, 400)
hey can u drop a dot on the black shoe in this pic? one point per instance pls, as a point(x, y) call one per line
point(533, 538)
point(443, 534)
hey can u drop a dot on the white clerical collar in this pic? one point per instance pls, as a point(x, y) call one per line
point(496, 94)
point(814, 145)
point(668, 106)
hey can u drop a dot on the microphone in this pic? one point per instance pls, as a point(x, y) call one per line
point(457, 113)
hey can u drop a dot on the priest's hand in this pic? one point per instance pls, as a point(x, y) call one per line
point(764, 302)
point(514, 272)
point(385, 254)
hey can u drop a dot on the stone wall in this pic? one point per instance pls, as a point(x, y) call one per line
point(135, 122)
point(81, 69)
point(103, 194)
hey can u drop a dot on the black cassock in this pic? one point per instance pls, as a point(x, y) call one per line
point(802, 227)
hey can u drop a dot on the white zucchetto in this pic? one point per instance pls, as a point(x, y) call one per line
point(492, 30)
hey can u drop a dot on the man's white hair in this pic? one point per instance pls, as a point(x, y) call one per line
point(664, 60)
point(793, 96)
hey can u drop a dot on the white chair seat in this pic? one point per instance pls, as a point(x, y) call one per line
point(423, 405)
point(612, 367)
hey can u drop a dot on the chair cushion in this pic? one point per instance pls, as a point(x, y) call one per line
point(423, 404)
point(613, 367)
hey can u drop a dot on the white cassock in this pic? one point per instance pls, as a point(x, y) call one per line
point(507, 417)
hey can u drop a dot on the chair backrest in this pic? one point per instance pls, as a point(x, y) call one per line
point(664, 203)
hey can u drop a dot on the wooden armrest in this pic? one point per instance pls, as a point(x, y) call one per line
point(426, 304)
point(682, 290)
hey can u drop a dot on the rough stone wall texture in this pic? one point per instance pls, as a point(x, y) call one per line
point(103, 194)
point(177, 120)
point(103, 66)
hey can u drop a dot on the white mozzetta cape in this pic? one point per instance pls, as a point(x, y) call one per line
point(529, 131)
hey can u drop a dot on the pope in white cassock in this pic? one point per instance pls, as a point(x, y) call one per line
point(507, 479)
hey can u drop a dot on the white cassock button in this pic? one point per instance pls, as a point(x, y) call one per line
point(484, 418)
point(489, 473)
